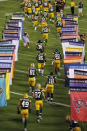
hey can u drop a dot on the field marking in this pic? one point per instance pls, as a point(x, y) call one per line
point(58, 103)
point(43, 76)
point(3, 0)
point(20, 94)
point(32, 56)
point(53, 103)
point(67, 7)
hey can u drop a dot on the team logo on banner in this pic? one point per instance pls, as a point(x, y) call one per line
point(78, 106)
point(1, 90)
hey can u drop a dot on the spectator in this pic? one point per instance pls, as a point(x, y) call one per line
point(72, 7)
point(26, 40)
point(80, 8)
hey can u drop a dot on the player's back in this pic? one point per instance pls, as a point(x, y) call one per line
point(25, 103)
point(38, 94)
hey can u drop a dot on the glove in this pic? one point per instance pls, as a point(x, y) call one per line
point(18, 111)
point(29, 110)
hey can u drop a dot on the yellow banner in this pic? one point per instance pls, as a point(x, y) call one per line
point(8, 85)
point(74, 49)
point(72, 60)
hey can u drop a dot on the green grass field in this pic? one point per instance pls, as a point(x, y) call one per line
point(53, 114)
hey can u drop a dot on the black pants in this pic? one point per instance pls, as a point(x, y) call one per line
point(72, 10)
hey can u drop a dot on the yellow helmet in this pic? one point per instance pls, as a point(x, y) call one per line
point(32, 65)
point(26, 95)
point(38, 86)
point(28, 0)
point(33, 6)
point(61, 10)
point(68, 118)
point(58, 14)
point(50, 5)
point(77, 129)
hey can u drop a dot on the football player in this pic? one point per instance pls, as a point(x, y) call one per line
point(39, 96)
point(40, 5)
point(45, 5)
point(32, 74)
point(51, 79)
point(39, 46)
point(59, 26)
point(25, 7)
point(45, 31)
point(35, 21)
point(37, 6)
point(43, 22)
point(41, 62)
point(29, 10)
point(51, 13)
point(25, 105)
point(73, 125)
point(57, 57)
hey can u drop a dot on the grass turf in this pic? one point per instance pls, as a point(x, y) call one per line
point(53, 115)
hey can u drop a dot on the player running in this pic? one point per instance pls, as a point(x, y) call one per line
point(39, 96)
point(73, 125)
point(25, 105)
point(39, 46)
point(57, 57)
point(41, 62)
point(32, 74)
point(51, 79)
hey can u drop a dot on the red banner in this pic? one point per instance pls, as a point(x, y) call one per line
point(78, 102)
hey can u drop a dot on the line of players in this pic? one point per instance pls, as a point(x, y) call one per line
point(37, 14)
point(43, 11)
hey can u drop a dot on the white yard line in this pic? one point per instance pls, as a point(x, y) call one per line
point(53, 103)
point(43, 76)
point(3, 0)
point(20, 94)
point(68, 7)
point(31, 56)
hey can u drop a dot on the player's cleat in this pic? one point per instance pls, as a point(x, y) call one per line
point(18, 112)
point(51, 100)
point(25, 129)
point(38, 120)
point(48, 99)
point(30, 89)
point(40, 117)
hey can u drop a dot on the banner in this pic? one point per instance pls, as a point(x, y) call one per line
point(71, 49)
point(78, 101)
point(69, 39)
point(13, 46)
point(7, 59)
point(6, 42)
point(3, 101)
point(67, 53)
point(8, 85)
point(68, 28)
point(69, 68)
point(7, 65)
point(74, 49)
point(5, 70)
point(2, 46)
point(79, 83)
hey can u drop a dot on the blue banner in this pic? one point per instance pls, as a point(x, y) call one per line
point(3, 101)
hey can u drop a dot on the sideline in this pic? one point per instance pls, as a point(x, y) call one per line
point(53, 103)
